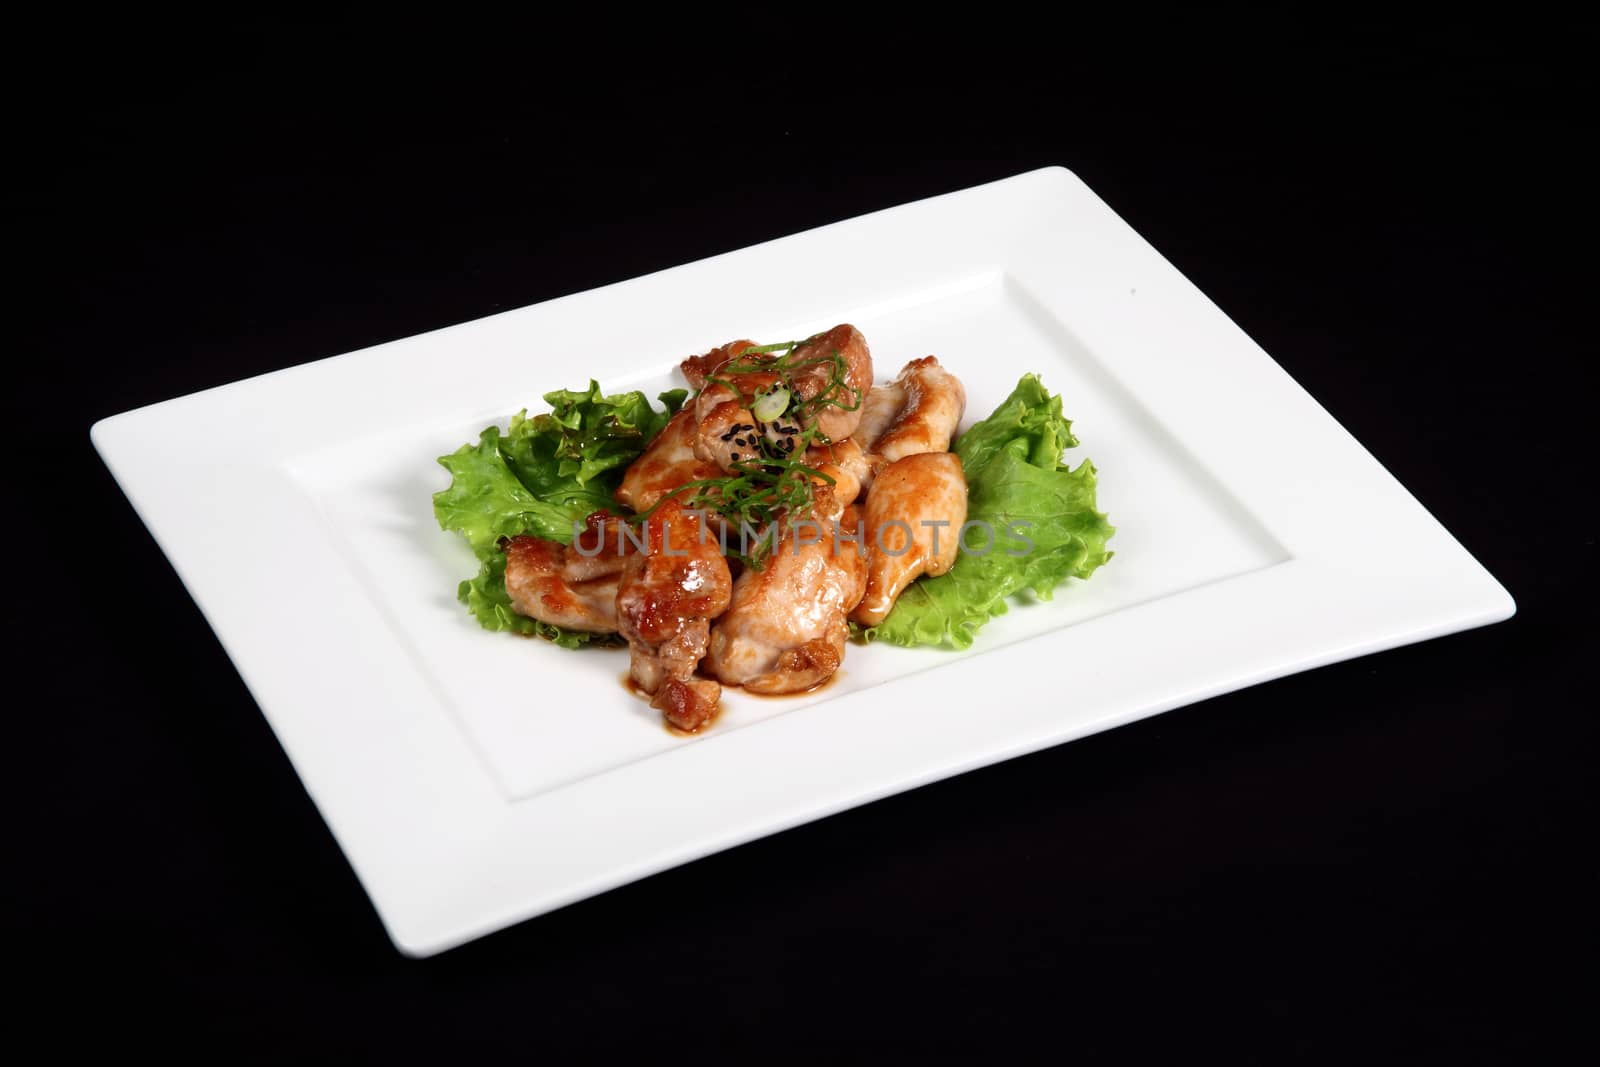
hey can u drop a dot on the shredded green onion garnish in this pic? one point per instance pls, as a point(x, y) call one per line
point(775, 482)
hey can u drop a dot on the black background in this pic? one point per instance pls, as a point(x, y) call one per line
point(1383, 859)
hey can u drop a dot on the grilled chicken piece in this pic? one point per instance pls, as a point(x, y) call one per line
point(668, 463)
point(665, 603)
point(785, 630)
point(878, 412)
point(917, 412)
point(844, 461)
point(917, 491)
point(574, 586)
point(698, 368)
point(728, 430)
point(815, 357)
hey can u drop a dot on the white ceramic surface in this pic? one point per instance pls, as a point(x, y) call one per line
point(476, 779)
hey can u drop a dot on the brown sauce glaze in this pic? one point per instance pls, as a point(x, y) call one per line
point(633, 688)
point(819, 687)
point(677, 732)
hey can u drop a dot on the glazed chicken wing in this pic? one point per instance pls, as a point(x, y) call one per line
point(728, 431)
point(844, 461)
point(573, 586)
point(917, 412)
point(785, 630)
point(668, 463)
point(815, 357)
point(665, 603)
point(698, 368)
point(914, 514)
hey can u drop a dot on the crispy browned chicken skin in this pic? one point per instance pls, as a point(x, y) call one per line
point(666, 600)
point(698, 368)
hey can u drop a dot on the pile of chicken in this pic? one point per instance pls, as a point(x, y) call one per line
point(690, 623)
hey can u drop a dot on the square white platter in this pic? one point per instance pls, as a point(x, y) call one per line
point(477, 779)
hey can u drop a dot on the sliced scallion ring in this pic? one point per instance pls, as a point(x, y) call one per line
point(769, 406)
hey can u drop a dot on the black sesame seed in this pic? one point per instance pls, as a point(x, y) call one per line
point(736, 455)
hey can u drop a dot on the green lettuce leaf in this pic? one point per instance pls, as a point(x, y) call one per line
point(1042, 512)
point(1029, 414)
point(541, 476)
point(487, 501)
point(486, 598)
point(583, 436)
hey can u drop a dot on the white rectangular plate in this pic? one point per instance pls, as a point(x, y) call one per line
point(477, 779)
